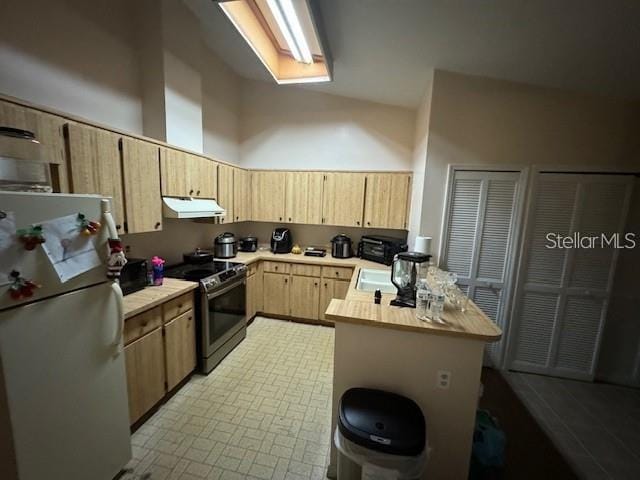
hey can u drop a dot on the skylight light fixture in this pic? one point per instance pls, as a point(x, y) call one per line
point(285, 14)
point(285, 35)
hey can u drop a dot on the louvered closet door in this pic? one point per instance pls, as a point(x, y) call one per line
point(478, 239)
point(563, 292)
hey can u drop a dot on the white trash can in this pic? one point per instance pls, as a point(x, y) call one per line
point(379, 436)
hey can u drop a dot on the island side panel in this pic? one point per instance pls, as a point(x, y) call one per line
point(407, 363)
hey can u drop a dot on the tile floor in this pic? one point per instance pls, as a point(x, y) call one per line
point(596, 426)
point(264, 413)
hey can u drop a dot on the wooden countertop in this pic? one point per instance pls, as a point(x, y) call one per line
point(150, 297)
point(328, 260)
point(358, 306)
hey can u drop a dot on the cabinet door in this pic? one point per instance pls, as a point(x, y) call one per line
point(95, 167)
point(305, 297)
point(144, 360)
point(241, 194)
point(303, 198)
point(225, 192)
point(180, 348)
point(276, 293)
point(174, 173)
point(141, 173)
point(203, 175)
point(267, 189)
point(47, 128)
point(343, 199)
point(386, 200)
point(329, 290)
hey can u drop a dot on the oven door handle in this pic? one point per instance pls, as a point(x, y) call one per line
point(217, 293)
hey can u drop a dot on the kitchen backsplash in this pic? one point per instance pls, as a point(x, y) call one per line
point(180, 236)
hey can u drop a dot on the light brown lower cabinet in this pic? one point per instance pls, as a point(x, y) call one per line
point(254, 291)
point(304, 297)
point(296, 290)
point(180, 348)
point(144, 359)
point(160, 352)
point(330, 289)
point(276, 293)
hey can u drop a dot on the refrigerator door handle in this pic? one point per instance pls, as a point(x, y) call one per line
point(117, 342)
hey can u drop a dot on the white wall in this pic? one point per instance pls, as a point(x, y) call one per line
point(221, 90)
point(419, 163)
point(481, 121)
point(74, 56)
point(288, 127)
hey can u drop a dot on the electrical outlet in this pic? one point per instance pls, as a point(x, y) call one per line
point(443, 379)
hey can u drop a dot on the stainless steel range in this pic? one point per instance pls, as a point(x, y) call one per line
point(220, 307)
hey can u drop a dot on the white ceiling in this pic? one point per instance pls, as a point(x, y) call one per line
point(383, 50)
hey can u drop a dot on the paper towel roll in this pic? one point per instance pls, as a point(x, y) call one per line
point(423, 245)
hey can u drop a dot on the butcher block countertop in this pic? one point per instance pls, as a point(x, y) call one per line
point(150, 297)
point(358, 306)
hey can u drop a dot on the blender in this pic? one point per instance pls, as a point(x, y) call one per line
point(407, 269)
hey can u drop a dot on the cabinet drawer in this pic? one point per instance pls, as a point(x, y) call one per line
point(305, 270)
point(136, 327)
point(343, 273)
point(177, 306)
point(276, 267)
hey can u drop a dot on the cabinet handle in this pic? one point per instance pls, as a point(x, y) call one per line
point(315, 284)
point(190, 192)
point(198, 192)
point(358, 223)
point(275, 268)
point(179, 305)
point(289, 218)
point(157, 225)
point(144, 324)
point(280, 218)
point(337, 273)
point(286, 280)
point(118, 227)
point(368, 223)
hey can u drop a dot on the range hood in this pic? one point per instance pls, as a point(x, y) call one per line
point(191, 208)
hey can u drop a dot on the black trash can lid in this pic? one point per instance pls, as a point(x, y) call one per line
point(382, 421)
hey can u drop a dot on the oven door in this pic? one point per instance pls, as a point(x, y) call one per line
point(224, 315)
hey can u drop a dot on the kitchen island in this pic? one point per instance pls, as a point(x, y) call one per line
point(438, 365)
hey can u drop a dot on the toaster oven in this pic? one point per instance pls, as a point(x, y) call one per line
point(133, 276)
point(380, 249)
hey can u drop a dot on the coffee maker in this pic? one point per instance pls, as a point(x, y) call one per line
point(407, 269)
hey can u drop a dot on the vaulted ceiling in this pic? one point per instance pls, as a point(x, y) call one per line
point(383, 50)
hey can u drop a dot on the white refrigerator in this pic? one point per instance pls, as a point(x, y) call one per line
point(63, 392)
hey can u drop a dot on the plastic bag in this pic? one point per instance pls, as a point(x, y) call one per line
point(381, 466)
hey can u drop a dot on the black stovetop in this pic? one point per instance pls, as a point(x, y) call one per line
point(191, 272)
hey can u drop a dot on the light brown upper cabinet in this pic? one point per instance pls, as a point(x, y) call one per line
point(241, 194)
point(225, 192)
point(203, 177)
point(387, 200)
point(267, 193)
point(174, 175)
point(141, 174)
point(303, 197)
point(48, 130)
point(94, 166)
point(186, 175)
point(343, 199)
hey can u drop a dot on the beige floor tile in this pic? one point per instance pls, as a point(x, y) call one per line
point(263, 413)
